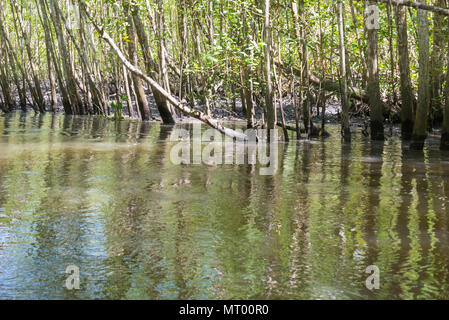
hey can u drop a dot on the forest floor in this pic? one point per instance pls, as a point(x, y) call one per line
point(222, 110)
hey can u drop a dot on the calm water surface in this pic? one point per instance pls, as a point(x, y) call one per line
point(105, 197)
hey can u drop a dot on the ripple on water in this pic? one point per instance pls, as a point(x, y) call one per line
point(105, 197)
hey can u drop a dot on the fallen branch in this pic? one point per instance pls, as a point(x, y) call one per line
point(316, 132)
point(180, 105)
point(331, 86)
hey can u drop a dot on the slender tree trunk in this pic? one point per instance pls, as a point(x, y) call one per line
point(270, 107)
point(182, 29)
point(281, 108)
point(43, 5)
point(243, 93)
point(437, 66)
point(420, 126)
point(247, 80)
point(322, 57)
point(36, 89)
point(89, 86)
point(167, 114)
point(373, 90)
point(408, 100)
point(294, 105)
point(95, 91)
point(129, 102)
point(165, 109)
point(278, 74)
point(298, 39)
point(8, 51)
point(359, 44)
point(76, 105)
point(51, 78)
point(392, 61)
point(9, 103)
point(142, 101)
point(248, 96)
point(445, 131)
point(305, 78)
point(345, 129)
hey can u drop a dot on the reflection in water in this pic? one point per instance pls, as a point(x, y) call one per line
point(104, 196)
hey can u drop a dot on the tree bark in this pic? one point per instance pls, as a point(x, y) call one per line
point(345, 129)
point(445, 130)
point(152, 68)
point(407, 97)
point(35, 89)
point(373, 90)
point(420, 126)
point(437, 66)
point(50, 48)
point(305, 79)
point(8, 103)
point(270, 107)
point(247, 83)
point(142, 101)
point(165, 109)
point(76, 106)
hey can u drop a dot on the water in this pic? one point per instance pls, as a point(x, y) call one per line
point(105, 197)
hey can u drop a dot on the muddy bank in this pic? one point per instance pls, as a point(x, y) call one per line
point(221, 109)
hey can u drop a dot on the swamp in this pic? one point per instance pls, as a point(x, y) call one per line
point(349, 98)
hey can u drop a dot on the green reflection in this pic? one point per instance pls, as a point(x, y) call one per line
point(105, 197)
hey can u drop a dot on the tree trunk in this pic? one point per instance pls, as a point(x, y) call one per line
point(436, 67)
point(180, 105)
point(373, 89)
point(408, 100)
point(152, 68)
point(270, 107)
point(50, 48)
point(345, 129)
point(305, 78)
point(359, 44)
point(76, 106)
point(142, 101)
point(165, 109)
point(445, 131)
point(51, 78)
point(420, 126)
point(35, 90)
point(9, 102)
point(247, 81)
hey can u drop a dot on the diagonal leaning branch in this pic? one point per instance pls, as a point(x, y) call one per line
point(417, 5)
point(180, 105)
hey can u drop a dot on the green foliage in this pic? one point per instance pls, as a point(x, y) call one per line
point(117, 108)
point(221, 40)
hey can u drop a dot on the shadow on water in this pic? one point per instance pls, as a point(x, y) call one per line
point(104, 196)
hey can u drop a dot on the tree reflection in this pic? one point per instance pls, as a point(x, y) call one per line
point(105, 196)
